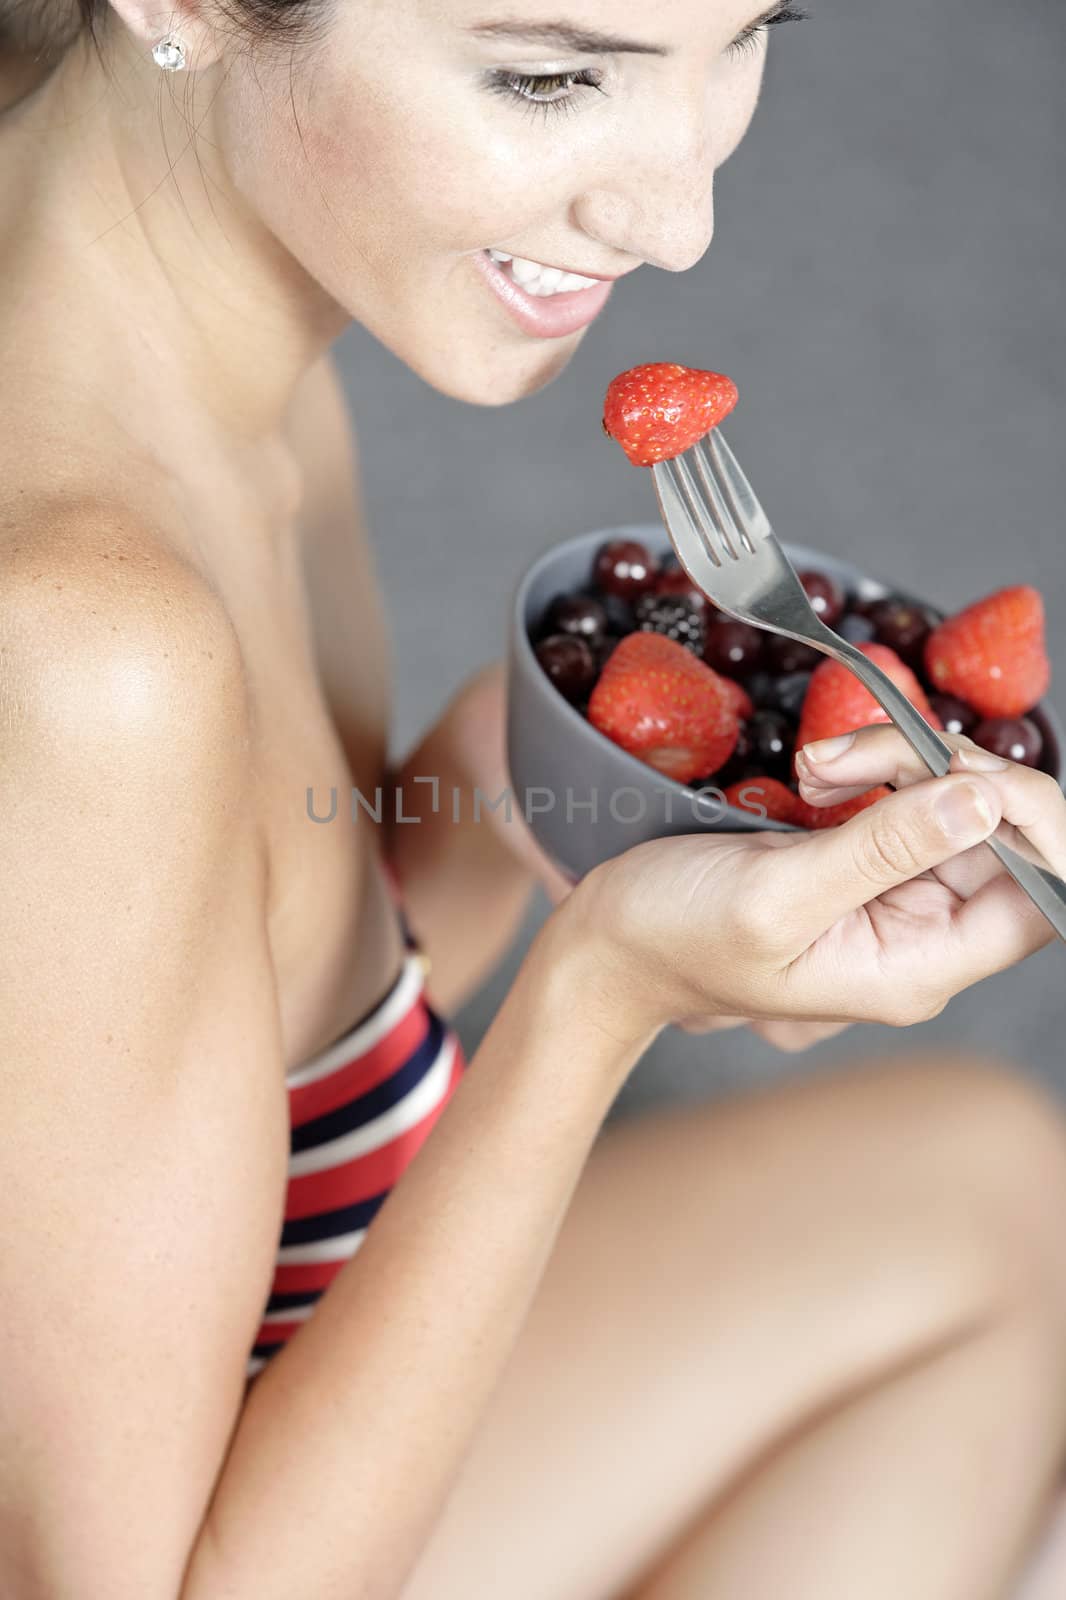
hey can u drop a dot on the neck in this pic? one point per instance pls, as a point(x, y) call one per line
point(159, 283)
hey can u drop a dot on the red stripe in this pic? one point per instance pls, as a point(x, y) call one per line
point(364, 1071)
point(276, 1332)
point(300, 1277)
point(368, 1174)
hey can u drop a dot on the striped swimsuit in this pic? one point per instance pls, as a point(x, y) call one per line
point(358, 1112)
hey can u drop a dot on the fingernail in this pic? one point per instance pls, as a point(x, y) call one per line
point(828, 749)
point(981, 760)
point(964, 811)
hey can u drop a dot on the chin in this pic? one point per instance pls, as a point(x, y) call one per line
point(496, 376)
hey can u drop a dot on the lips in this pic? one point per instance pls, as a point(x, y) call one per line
point(544, 316)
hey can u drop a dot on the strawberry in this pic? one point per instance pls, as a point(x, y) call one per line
point(831, 816)
point(656, 411)
point(992, 654)
point(766, 794)
point(656, 700)
point(736, 694)
point(836, 702)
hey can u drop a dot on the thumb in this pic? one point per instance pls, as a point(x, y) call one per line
point(897, 838)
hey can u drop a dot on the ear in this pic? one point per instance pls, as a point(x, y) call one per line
point(149, 21)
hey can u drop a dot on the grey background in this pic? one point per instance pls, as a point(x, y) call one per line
point(886, 287)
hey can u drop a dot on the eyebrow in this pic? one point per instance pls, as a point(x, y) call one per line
point(583, 41)
point(569, 35)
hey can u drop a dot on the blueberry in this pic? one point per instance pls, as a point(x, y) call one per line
point(856, 628)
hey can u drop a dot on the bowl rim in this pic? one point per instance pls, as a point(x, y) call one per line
point(643, 531)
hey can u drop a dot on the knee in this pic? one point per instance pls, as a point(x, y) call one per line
point(993, 1143)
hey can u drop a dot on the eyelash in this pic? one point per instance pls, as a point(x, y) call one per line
point(749, 38)
point(527, 87)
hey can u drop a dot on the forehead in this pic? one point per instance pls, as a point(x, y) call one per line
point(666, 21)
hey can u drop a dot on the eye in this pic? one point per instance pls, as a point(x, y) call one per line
point(747, 41)
point(545, 91)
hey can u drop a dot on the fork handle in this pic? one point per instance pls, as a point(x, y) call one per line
point(1044, 888)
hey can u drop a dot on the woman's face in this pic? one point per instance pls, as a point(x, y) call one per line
point(421, 134)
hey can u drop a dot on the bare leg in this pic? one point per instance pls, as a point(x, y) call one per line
point(852, 1495)
point(807, 1343)
point(1045, 1577)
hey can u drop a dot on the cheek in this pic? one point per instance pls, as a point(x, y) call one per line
point(434, 179)
point(736, 109)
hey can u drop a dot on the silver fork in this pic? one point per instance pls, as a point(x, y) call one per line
point(724, 541)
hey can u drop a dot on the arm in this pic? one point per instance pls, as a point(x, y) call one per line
point(457, 870)
point(353, 1434)
point(143, 1117)
point(142, 1098)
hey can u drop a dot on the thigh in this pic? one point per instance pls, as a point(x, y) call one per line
point(723, 1272)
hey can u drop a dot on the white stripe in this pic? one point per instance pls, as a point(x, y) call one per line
point(360, 1039)
point(339, 1248)
point(256, 1364)
point(418, 1103)
point(295, 1314)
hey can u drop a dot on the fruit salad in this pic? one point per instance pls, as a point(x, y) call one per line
point(707, 701)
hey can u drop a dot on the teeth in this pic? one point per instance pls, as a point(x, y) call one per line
point(537, 279)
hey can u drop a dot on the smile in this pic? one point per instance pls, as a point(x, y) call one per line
point(537, 279)
point(545, 302)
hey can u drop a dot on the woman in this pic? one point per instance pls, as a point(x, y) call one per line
point(812, 1343)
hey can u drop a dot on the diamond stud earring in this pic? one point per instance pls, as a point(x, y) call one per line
point(169, 54)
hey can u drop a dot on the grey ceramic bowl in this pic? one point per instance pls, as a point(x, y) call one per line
point(585, 798)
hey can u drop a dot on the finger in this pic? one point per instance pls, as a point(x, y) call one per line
point(836, 871)
point(711, 1024)
point(864, 759)
point(994, 929)
point(794, 1036)
point(1031, 801)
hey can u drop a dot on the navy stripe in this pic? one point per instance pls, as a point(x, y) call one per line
point(376, 1101)
point(289, 1301)
point(327, 1224)
point(263, 1352)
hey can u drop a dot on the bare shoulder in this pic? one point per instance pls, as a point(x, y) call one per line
point(104, 623)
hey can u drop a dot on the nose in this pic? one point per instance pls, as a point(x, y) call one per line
point(657, 205)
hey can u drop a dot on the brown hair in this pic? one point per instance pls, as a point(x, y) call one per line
point(46, 28)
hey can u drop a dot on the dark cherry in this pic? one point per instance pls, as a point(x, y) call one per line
point(569, 663)
point(624, 567)
point(1014, 738)
point(826, 596)
point(773, 738)
point(863, 604)
point(677, 582)
point(785, 656)
point(602, 650)
point(789, 693)
point(734, 648)
point(856, 628)
point(578, 614)
point(904, 628)
point(955, 714)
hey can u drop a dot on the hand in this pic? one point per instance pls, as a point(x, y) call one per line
point(880, 754)
point(883, 919)
point(480, 705)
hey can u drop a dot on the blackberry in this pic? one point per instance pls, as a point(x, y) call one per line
point(674, 617)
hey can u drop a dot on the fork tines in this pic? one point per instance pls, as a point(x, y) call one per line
point(706, 486)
